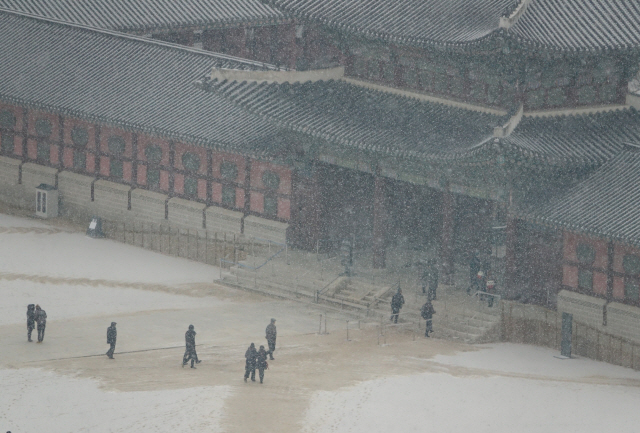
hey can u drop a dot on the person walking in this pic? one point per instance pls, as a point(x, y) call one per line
point(41, 320)
point(491, 285)
point(434, 276)
point(397, 301)
point(261, 362)
point(190, 352)
point(112, 335)
point(271, 334)
point(250, 364)
point(31, 320)
point(427, 311)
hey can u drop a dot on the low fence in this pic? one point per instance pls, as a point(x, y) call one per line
point(530, 324)
point(199, 245)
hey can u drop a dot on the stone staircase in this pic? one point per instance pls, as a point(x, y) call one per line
point(458, 316)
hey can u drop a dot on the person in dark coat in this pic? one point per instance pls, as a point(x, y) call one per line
point(190, 352)
point(41, 320)
point(396, 305)
point(250, 365)
point(112, 335)
point(271, 337)
point(434, 276)
point(474, 268)
point(427, 311)
point(261, 362)
point(31, 320)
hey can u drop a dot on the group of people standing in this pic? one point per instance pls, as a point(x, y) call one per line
point(36, 316)
point(258, 358)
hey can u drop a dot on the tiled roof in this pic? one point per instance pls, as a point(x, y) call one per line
point(121, 80)
point(365, 119)
point(554, 24)
point(404, 21)
point(606, 204)
point(148, 15)
point(580, 24)
point(587, 139)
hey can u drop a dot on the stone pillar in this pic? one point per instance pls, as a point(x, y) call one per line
point(306, 209)
point(446, 242)
point(379, 224)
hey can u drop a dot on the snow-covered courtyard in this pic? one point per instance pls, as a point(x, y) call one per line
point(317, 383)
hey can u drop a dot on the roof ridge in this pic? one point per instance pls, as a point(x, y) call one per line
point(127, 36)
point(507, 22)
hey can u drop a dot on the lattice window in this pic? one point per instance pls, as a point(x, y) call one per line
point(79, 136)
point(43, 127)
point(229, 195)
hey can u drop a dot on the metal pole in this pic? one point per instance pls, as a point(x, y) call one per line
point(347, 330)
point(286, 251)
point(220, 269)
point(320, 327)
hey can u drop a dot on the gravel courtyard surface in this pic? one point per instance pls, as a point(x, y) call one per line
point(317, 383)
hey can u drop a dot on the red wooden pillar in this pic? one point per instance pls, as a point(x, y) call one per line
point(379, 224)
point(306, 211)
point(446, 243)
point(510, 256)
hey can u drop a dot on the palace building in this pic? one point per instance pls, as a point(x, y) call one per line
point(443, 127)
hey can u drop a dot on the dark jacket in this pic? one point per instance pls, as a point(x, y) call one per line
point(251, 355)
point(261, 359)
point(112, 335)
point(41, 317)
point(397, 301)
point(31, 315)
point(427, 311)
point(271, 332)
point(190, 339)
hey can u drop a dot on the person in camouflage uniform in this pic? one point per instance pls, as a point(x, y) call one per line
point(112, 335)
point(41, 320)
point(396, 305)
point(190, 352)
point(250, 366)
point(261, 362)
point(271, 337)
point(31, 320)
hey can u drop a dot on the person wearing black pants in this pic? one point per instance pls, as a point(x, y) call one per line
point(250, 365)
point(112, 335)
point(41, 320)
point(190, 352)
point(261, 362)
point(427, 311)
point(31, 320)
point(397, 301)
point(271, 337)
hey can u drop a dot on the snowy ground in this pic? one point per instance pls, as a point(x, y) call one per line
point(316, 384)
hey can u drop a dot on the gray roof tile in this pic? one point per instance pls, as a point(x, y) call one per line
point(587, 139)
point(365, 119)
point(122, 80)
point(404, 21)
point(149, 15)
point(580, 24)
point(606, 204)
